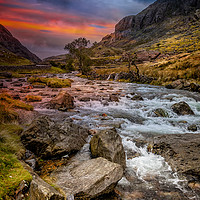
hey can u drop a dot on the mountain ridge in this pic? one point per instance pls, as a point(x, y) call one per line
point(156, 20)
point(13, 45)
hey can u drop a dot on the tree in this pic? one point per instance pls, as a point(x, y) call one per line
point(131, 59)
point(76, 49)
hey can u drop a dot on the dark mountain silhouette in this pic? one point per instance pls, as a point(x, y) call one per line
point(10, 43)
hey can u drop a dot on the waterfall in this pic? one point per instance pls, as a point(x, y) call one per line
point(116, 77)
point(108, 77)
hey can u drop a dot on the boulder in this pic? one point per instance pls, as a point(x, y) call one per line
point(108, 144)
point(40, 190)
point(47, 139)
point(113, 97)
point(159, 112)
point(63, 101)
point(181, 151)
point(192, 127)
point(137, 98)
point(182, 108)
point(89, 179)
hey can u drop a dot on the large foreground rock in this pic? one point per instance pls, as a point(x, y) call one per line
point(48, 139)
point(63, 101)
point(89, 179)
point(40, 190)
point(108, 144)
point(180, 151)
point(182, 108)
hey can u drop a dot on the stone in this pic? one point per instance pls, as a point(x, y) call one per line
point(137, 98)
point(192, 127)
point(108, 144)
point(84, 99)
point(181, 151)
point(88, 179)
point(113, 97)
point(182, 108)
point(40, 190)
point(159, 112)
point(62, 101)
point(47, 139)
point(39, 86)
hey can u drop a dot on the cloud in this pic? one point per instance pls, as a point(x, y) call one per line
point(45, 26)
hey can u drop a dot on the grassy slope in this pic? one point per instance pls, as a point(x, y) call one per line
point(9, 58)
point(12, 172)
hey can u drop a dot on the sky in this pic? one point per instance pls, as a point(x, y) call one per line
point(45, 26)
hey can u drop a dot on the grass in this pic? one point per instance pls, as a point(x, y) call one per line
point(12, 172)
point(8, 58)
point(8, 102)
point(51, 82)
point(33, 98)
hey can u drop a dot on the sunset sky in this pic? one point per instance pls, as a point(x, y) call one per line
point(45, 26)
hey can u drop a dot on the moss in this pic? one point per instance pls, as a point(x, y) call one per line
point(12, 172)
point(33, 98)
point(51, 82)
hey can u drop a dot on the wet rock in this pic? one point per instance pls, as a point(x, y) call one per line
point(113, 97)
point(192, 127)
point(137, 98)
point(39, 86)
point(88, 179)
point(9, 80)
point(181, 151)
point(40, 190)
point(108, 144)
point(6, 74)
point(62, 101)
point(47, 139)
point(84, 99)
point(159, 112)
point(182, 108)
point(17, 84)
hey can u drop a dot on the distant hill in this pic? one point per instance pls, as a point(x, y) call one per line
point(9, 45)
point(165, 19)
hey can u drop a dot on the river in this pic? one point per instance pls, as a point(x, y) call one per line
point(147, 175)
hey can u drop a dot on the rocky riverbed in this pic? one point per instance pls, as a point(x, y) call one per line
point(147, 118)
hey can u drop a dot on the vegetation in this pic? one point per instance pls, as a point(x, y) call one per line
point(12, 172)
point(7, 102)
point(77, 51)
point(51, 82)
point(33, 98)
point(8, 58)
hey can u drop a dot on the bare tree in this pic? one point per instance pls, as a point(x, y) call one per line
point(131, 59)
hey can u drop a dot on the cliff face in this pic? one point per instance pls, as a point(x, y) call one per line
point(12, 44)
point(150, 19)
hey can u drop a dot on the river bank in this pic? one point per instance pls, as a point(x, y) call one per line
point(133, 110)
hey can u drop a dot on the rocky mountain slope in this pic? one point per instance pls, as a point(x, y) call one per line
point(162, 18)
point(11, 44)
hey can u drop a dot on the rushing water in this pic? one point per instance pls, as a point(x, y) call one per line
point(135, 120)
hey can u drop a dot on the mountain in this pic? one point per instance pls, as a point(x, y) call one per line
point(11, 44)
point(162, 18)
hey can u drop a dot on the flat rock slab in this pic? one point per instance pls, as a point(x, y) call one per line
point(40, 190)
point(88, 179)
point(181, 151)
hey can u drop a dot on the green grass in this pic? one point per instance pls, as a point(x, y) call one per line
point(51, 82)
point(8, 58)
point(12, 172)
